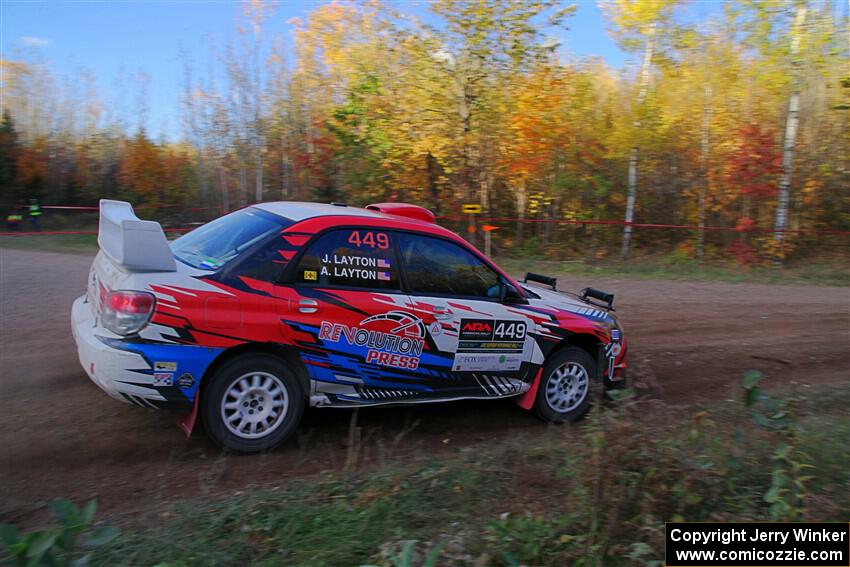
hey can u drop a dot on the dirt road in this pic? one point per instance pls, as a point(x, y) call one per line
point(61, 436)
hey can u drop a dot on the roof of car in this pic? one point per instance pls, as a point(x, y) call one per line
point(298, 211)
point(309, 213)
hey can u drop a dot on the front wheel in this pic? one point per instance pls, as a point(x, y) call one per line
point(252, 403)
point(567, 386)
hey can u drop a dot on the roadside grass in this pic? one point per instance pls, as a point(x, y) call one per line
point(593, 493)
point(82, 244)
point(833, 272)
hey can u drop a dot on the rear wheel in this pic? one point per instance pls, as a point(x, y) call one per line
point(568, 384)
point(252, 403)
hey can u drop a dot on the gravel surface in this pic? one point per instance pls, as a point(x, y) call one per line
point(690, 343)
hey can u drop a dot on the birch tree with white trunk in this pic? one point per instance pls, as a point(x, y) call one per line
point(791, 124)
point(638, 25)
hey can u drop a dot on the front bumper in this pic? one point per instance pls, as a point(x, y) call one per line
point(612, 360)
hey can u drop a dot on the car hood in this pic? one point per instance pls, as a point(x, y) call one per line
point(551, 299)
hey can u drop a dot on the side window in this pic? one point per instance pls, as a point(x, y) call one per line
point(265, 264)
point(437, 266)
point(352, 258)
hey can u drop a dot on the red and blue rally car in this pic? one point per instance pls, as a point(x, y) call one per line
point(250, 318)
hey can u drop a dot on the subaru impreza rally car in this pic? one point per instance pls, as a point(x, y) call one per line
point(250, 318)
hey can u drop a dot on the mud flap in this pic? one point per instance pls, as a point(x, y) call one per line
point(526, 401)
point(186, 421)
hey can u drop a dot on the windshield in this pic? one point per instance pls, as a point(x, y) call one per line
point(216, 243)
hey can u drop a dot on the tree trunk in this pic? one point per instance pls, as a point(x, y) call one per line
point(646, 67)
point(225, 194)
point(521, 205)
point(202, 180)
point(258, 177)
point(465, 112)
point(286, 163)
point(430, 162)
point(243, 185)
point(703, 190)
point(790, 131)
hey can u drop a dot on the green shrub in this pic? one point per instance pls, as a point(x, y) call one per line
point(58, 545)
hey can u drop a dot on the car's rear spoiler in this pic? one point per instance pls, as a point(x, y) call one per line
point(135, 244)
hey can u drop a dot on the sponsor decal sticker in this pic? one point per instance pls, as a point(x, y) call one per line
point(369, 239)
point(394, 339)
point(491, 335)
point(473, 362)
point(357, 267)
point(162, 379)
point(476, 329)
point(350, 260)
point(186, 381)
point(164, 366)
point(435, 328)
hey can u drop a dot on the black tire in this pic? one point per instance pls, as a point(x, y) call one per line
point(269, 370)
point(568, 408)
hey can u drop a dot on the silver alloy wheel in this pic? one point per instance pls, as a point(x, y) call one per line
point(254, 405)
point(567, 387)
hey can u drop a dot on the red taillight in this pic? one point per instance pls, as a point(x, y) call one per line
point(127, 312)
point(130, 302)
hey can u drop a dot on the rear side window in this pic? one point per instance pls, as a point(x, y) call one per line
point(436, 266)
point(216, 243)
point(350, 258)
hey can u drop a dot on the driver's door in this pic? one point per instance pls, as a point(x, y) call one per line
point(484, 343)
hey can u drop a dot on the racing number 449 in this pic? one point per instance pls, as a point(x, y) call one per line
point(250, 319)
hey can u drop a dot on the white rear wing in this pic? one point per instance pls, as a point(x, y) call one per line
point(135, 244)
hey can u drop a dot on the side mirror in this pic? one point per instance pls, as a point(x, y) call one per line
point(509, 294)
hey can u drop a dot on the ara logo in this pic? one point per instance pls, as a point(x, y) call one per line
point(476, 329)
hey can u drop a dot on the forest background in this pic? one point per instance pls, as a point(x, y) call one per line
point(736, 125)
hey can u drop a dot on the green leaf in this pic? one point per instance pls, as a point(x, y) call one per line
point(65, 511)
point(751, 396)
point(40, 542)
point(67, 539)
point(510, 559)
point(19, 549)
point(772, 405)
point(761, 420)
point(87, 513)
point(433, 556)
point(405, 559)
point(8, 535)
point(773, 495)
point(101, 536)
point(752, 378)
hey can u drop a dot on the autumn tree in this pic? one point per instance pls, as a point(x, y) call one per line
point(485, 43)
point(639, 25)
point(9, 151)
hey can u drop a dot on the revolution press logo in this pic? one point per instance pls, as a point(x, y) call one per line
point(395, 339)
